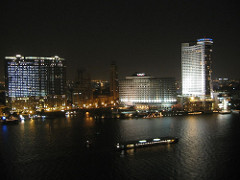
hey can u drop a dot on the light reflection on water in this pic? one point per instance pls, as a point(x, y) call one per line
point(4, 128)
point(57, 148)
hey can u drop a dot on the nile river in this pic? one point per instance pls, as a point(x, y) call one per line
point(208, 148)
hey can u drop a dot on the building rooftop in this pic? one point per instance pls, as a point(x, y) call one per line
point(33, 57)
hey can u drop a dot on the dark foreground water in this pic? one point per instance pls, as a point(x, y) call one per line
point(208, 148)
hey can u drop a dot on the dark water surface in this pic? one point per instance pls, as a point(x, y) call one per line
point(208, 148)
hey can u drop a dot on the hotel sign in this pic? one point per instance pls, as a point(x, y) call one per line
point(140, 74)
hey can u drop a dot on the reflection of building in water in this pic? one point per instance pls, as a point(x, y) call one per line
point(35, 82)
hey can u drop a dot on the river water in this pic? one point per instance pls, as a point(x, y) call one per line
point(208, 148)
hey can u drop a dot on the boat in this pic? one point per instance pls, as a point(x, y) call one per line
point(10, 119)
point(225, 112)
point(146, 142)
point(153, 115)
point(195, 113)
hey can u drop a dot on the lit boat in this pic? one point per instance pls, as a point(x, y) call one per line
point(194, 113)
point(153, 115)
point(224, 112)
point(10, 119)
point(146, 142)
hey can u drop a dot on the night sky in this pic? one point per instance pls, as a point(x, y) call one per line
point(140, 36)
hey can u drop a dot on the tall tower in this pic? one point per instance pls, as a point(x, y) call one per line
point(114, 89)
point(197, 68)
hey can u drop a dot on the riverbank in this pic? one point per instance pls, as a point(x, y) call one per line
point(111, 113)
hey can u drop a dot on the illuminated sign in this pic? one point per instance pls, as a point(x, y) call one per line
point(205, 39)
point(140, 74)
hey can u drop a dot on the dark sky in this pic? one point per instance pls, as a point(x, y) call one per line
point(139, 35)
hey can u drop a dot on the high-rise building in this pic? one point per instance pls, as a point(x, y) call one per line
point(30, 77)
point(196, 68)
point(2, 94)
point(100, 87)
point(114, 89)
point(146, 90)
point(82, 89)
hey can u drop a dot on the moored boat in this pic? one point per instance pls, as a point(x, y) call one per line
point(153, 115)
point(225, 112)
point(10, 119)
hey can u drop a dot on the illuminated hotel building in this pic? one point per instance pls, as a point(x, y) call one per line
point(196, 68)
point(146, 90)
point(28, 79)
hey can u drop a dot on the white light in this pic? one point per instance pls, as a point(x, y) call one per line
point(140, 74)
point(21, 117)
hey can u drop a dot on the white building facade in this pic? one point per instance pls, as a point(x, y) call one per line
point(196, 68)
point(146, 90)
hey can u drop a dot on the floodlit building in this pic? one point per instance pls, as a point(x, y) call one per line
point(141, 89)
point(196, 68)
point(35, 82)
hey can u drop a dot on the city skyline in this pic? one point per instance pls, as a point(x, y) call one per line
point(139, 36)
